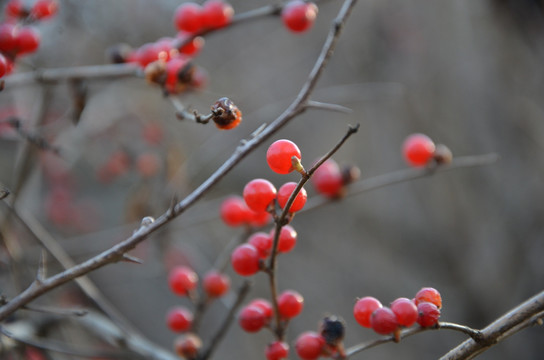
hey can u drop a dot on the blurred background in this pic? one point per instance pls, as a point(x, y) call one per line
point(467, 73)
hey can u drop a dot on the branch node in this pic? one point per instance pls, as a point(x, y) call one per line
point(146, 221)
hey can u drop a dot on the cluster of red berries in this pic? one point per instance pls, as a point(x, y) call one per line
point(17, 39)
point(420, 150)
point(183, 281)
point(424, 309)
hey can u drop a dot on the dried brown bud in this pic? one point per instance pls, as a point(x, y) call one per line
point(350, 173)
point(118, 54)
point(225, 114)
point(333, 329)
point(442, 155)
point(187, 346)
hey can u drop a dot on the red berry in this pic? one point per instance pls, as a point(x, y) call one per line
point(15, 8)
point(276, 351)
point(188, 17)
point(265, 306)
point(193, 47)
point(428, 314)
point(405, 310)
point(245, 260)
point(179, 319)
point(3, 65)
point(44, 8)
point(279, 156)
point(384, 321)
point(259, 219)
point(262, 242)
point(309, 345)
point(182, 280)
point(146, 54)
point(299, 16)
point(234, 211)
point(8, 39)
point(364, 308)
point(290, 304)
point(178, 74)
point(327, 179)
point(258, 194)
point(27, 39)
point(216, 14)
point(287, 239)
point(216, 284)
point(418, 149)
point(252, 318)
point(429, 294)
point(187, 346)
point(285, 192)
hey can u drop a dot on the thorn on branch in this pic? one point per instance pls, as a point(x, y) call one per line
point(132, 259)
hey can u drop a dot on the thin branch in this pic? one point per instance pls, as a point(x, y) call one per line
point(386, 339)
point(329, 107)
point(115, 253)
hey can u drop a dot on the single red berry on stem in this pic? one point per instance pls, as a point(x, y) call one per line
point(428, 314)
point(276, 350)
point(418, 149)
point(8, 39)
point(287, 239)
point(265, 306)
point(328, 180)
point(290, 304)
point(182, 280)
point(405, 310)
point(262, 242)
point(429, 294)
point(216, 284)
point(188, 17)
point(192, 45)
point(245, 260)
point(285, 192)
point(43, 9)
point(15, 8)
point(179, 319)
point(309, 345)
point(364, 308)
point(252, 319)
point(216, 14)
point(258, 194)
point(27, 40)
point(299, 16)
point(279, 155)
point(234, 211)
point(187, 346)
point(384, 321)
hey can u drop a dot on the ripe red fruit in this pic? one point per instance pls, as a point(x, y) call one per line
point(279, 154)
point(27, 40)
point(8, 40)
point(428, 314)
point(182, 280)
point(364, 308)
point(216, 14)
point(252, 319)
point(259, 219)
point(429, 294)
point(309, 345)
point(405, 310)
point(43, 9)
point(15, 8)
point(265, 306)
point(234, 211)
point(327, 179)
point(258, 194)
point(418, 149)
point(216, 284)
point(179, 72)
point(3, 65)
point(179, 319)
point(290, 304)
point(262, 242)
point(191, 48)
point(188, 17)
point(383, 321)
point(245, 260)
point(285, 192)
point(299, 16)
point(276, 350)
point(287, 239)
point(187, 346)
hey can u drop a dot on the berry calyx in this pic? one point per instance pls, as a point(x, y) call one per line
point(252, 319)
point(276, 350)
point(364, 308)
point(328, 180)
point(188, 17)
point(234, 211)
point(405, 310)
point(262, 242)
point(179, 319)
point(216, 14)
point(216, 284)
point(279, 155)
point(287, 239)
point(285, 192)
point(429, 294)
point(182, 280)
point(290, 304)
point(225, 114)
point(309, 345)
point(259, 194)
point(418, 149)
point(299, 16)
point(245, 260)
point(384, 321)
point(265, 306)
point(428, 314)
point(187, 346)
